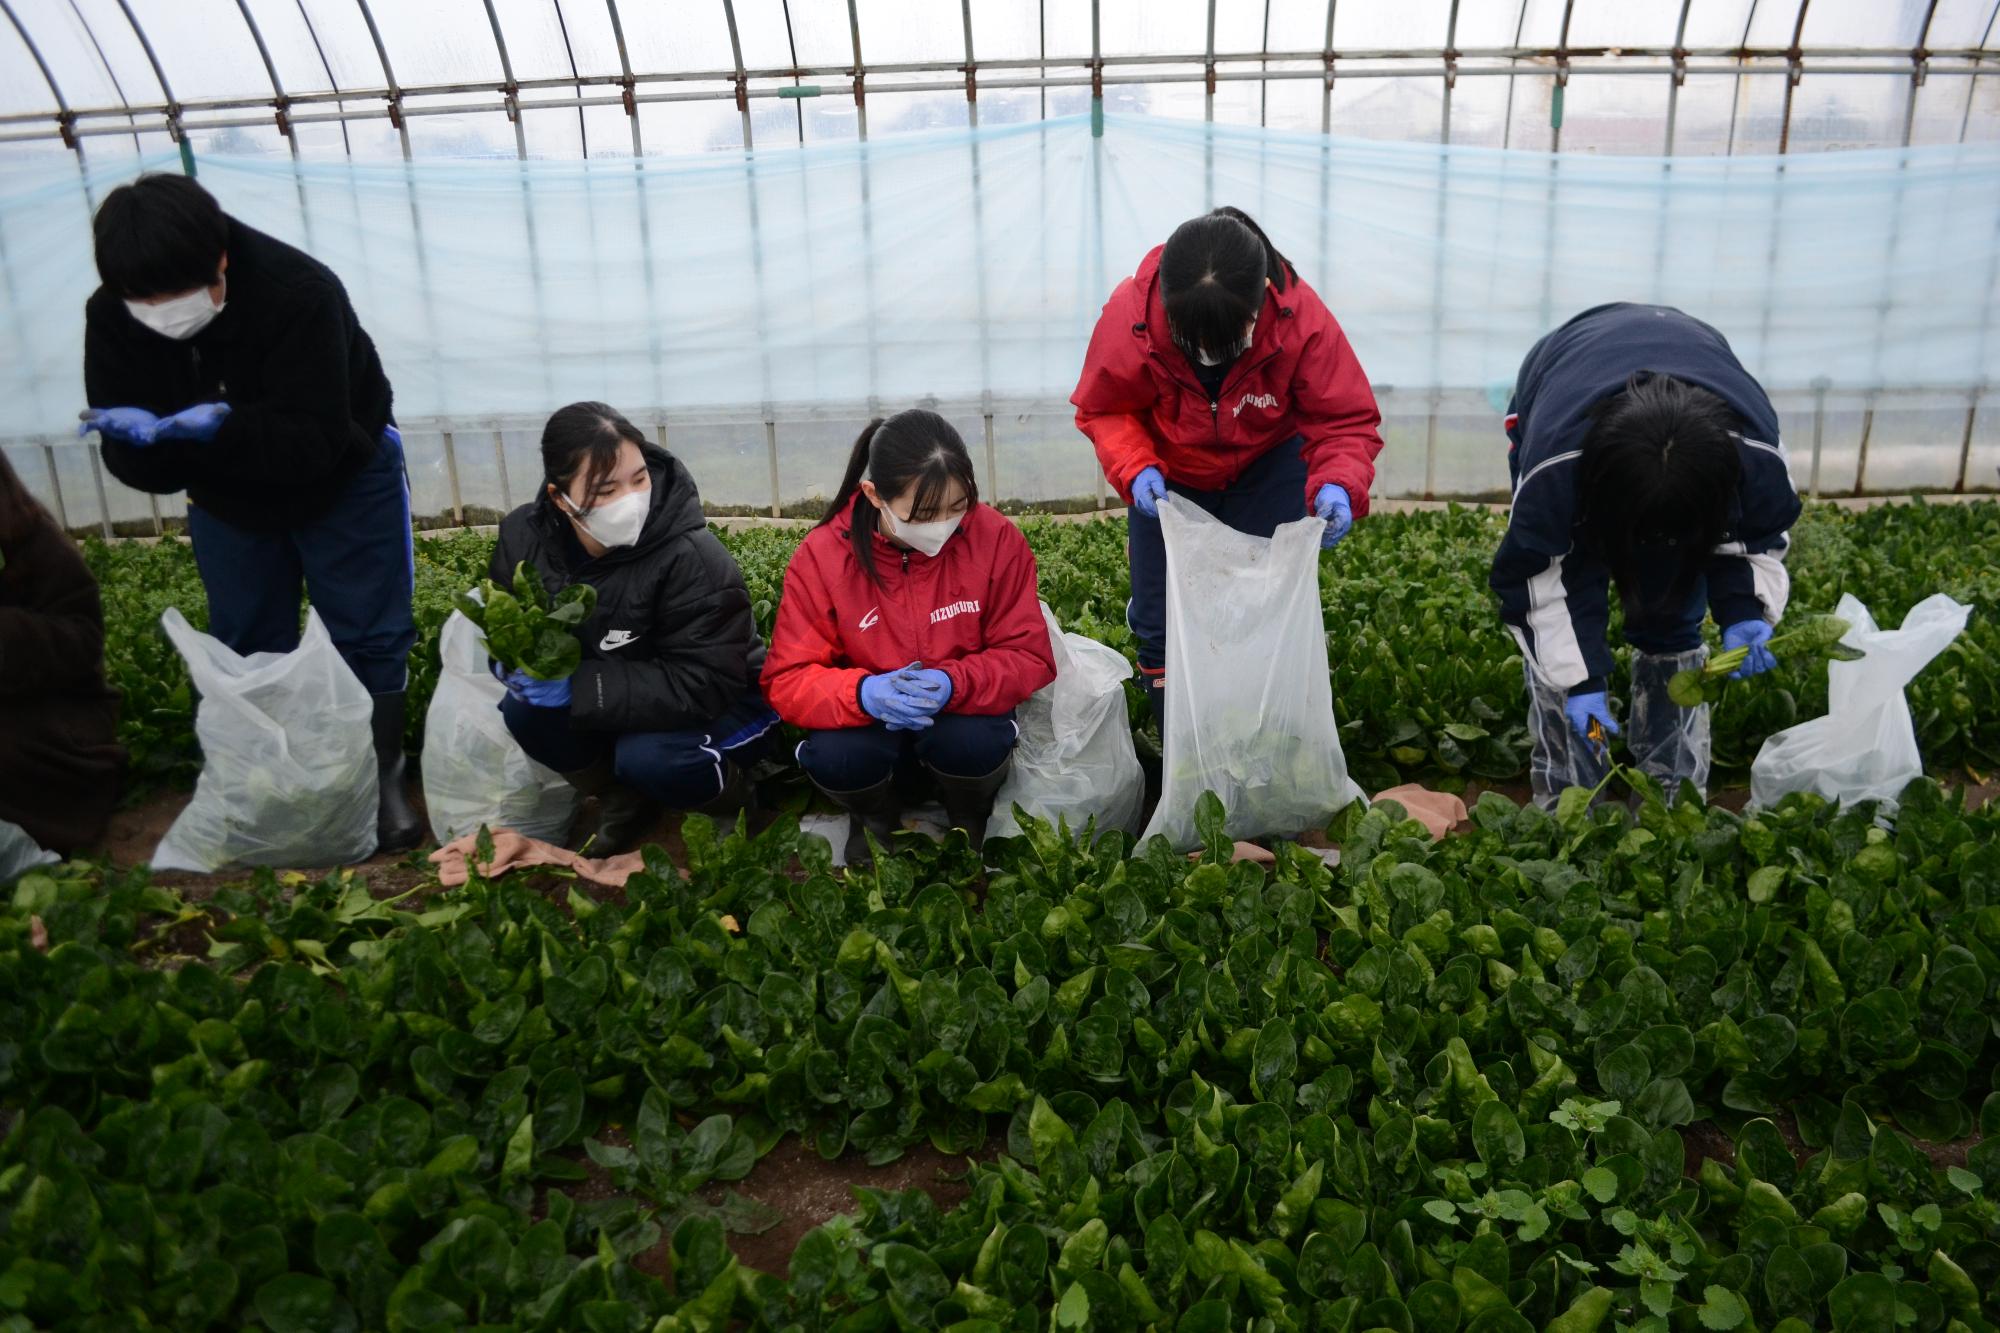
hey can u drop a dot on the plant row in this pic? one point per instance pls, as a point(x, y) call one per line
point(1426, 682)
point(1443, 1086)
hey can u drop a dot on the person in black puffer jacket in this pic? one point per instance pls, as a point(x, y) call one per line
point(224, 363)
point(664, 710)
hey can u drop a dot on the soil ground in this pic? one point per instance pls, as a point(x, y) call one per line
point(803, 1188)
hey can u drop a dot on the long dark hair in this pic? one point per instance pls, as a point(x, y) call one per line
point(917, 448)
point(1212, 276)
point(1658, 474)
point(584, 437)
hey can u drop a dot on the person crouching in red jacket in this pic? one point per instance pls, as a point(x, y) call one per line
point(1217, 376)
point(908, 632)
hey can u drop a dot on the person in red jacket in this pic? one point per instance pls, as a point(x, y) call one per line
point(1217, 376)
point(908, 632)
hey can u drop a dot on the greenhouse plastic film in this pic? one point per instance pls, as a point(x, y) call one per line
point(1075, 759)
point(970, 267)
point(1249, 712)
point(475, 772)
point(288, 774)
point(1865, 748)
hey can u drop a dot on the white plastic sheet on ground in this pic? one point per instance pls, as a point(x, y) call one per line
point(20, 853)
point(1865, 748)
point(928, 819)
point(1075, 759)
point(288, 759)
point(1249, 700)
point(475, 772)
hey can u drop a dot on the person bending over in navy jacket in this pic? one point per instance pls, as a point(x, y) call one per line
point(226, 364)
point(1641, 453)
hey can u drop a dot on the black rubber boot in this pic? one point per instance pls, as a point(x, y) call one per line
point(738, 795)
point(968, 802)
point(877, 810)
point(1155, 686)
point(624, 816)
point(398, 826)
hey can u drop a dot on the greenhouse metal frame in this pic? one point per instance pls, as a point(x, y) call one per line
point(1916, 54)
point(115, 77)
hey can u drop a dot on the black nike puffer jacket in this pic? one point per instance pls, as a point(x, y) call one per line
point(672, 643)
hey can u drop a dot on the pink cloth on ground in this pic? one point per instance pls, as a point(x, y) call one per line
point(1438, 811)
point(517, 851)
point(1246, 851)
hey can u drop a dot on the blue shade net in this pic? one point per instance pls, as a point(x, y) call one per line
point(756, 308)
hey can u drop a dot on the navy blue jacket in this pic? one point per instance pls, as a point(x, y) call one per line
point(1553, 587)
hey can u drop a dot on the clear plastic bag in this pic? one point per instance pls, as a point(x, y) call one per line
point(1075, 759)
point(475, 772)
point(1668, 743)
point(1865, 748)
point(288, 759)
point(1249, 712)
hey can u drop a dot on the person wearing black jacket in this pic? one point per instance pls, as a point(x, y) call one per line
point(60, 761)
point(1641, 453)
point(664, 710)
point(227, 364)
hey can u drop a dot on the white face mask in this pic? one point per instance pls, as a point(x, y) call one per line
point(618, 523)
point(926, 537)
point(179, 318)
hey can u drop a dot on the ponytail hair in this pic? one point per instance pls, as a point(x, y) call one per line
point(916, 451)
point(1212, 276)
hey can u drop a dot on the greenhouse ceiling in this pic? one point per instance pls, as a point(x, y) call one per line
point(604, 78)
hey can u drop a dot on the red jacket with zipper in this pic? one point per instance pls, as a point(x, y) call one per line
point(1141, 405)
point(971, 612)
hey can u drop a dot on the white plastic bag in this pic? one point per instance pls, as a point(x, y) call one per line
point(1249, 700)
point(20, 853)
point(288, 758)
point(475, 772)
point(1075, 758)
point(1865, 748)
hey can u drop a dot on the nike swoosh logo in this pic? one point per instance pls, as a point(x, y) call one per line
point(614, 639)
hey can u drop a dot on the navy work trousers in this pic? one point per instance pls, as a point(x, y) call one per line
point(680, 769)
point(356, 565)
point(958, 745)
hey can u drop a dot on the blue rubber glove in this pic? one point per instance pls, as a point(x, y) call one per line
point(1333, 505)
point(1148, 489)
point(925, 691)
point(881, 700)
point(127, 425)
point(198, 423)
point(1751, 634)
point(537, 693)
point(1583, 709)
